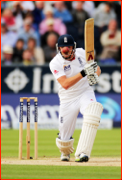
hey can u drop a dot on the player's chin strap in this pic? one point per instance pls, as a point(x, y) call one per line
point(69, 57)
point(72, 52)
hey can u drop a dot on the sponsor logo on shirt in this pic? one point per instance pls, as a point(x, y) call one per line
point(55, 71)
point(67, 68)
point(80, 61)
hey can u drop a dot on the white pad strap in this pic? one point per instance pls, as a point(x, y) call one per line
point(93, 113)
point(92, 116)
point(65, 147)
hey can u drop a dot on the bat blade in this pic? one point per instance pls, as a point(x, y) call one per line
point(89, 40)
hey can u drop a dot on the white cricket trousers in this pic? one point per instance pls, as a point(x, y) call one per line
point(69, 111)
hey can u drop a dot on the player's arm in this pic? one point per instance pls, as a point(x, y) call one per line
point(98, 71)
point(65, 82)
point(68, 82)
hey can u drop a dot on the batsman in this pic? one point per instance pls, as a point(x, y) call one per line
point(76, 72)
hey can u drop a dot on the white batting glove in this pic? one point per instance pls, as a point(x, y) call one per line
point(89, 70)
point(93, 79)
point(94, 65)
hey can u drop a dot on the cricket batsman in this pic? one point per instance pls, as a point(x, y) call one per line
point(75, 78)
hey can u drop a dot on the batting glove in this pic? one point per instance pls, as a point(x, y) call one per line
point(89, 69)
point(93, 79)
point(94, 65)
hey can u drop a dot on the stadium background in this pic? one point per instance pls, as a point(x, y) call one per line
point(24, 64)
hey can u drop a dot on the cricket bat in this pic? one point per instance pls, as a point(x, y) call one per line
point(89, 40)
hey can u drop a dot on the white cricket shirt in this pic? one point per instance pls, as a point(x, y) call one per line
point(61, 67)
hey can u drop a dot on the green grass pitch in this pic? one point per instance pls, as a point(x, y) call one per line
point(107, 144)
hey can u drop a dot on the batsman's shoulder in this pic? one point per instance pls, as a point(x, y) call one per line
point(80, 50)
point(81, 53)
point(54, 61)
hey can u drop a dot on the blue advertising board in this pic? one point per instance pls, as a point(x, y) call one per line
point(48, 110)
point(39, 82)
point(39, 79)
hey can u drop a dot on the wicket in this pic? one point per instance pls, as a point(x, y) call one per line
point(28, 126)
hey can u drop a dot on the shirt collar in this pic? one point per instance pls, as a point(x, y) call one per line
point(66, 61)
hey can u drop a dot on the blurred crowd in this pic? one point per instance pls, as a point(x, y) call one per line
point(30, 29)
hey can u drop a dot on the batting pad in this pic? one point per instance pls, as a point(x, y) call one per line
point(92, 116)
point(65, 147)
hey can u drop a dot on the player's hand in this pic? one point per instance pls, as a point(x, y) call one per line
point(89, 69)
point(93, 79)
point(94, 65)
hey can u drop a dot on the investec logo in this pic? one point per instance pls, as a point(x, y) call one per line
point(41, 83)
point(16, 80)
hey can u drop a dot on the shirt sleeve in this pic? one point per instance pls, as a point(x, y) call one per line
point(56, 70)
point(81, 52)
